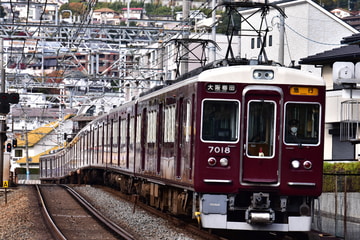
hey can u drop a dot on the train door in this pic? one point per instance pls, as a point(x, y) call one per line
point(261, 163)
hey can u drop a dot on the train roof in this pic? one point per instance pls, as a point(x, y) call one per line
point(224, 72)
point(282, 75)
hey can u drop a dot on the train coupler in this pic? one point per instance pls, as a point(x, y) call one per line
point(259, 212)
point(259, 217)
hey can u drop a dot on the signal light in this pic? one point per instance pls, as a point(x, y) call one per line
point(6, 99)
point(8, 147)
point(13, 98)
point(14, 143)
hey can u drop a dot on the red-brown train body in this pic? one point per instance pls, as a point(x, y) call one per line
point(217, 146)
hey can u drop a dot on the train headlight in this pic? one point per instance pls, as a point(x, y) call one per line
point(224, 162)
point(295, 164)
point(263, 74)
point(212, 161)
point(307, 165)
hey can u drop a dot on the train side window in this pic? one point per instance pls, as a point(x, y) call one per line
point(169, 128)
point(302, 123)
point(220, 120)
point(261, 128)
point(151, 131)
point(132, 130)
point(123, 126)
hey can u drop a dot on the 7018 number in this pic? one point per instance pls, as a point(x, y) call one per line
point(217, 149)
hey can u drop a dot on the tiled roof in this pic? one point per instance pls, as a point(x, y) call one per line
point(352, 40)
point(34, 136)
point(350, 53)
point(104, 10)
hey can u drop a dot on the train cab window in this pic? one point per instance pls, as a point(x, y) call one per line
point(220, 120)
point(302, 123)
point(261, 128)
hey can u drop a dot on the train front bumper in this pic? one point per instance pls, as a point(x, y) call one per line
point(214, 215)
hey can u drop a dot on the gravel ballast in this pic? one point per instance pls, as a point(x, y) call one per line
point(21, 218)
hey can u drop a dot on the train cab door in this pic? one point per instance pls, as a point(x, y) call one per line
point(261, 111)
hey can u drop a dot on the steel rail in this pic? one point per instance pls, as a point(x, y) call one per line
point(107, 222)
point(55, 231)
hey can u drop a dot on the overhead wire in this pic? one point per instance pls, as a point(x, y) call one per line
point(309, 39)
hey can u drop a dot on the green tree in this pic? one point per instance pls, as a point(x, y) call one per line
point(157, 10)
point(76, 8)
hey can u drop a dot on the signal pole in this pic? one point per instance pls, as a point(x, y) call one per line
point(2, 116)
point(5, 100)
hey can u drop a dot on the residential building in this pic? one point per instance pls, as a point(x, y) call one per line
point(342, 99)
point(133, 13)
point(32, 144)
point(106, 16)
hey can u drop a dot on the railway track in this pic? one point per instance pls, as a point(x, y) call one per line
point(70, 216)
point(56, 193)
point(221, 234)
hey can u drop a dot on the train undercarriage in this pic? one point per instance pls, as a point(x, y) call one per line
point(261, 211)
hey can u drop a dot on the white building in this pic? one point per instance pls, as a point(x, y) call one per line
point(106, 16)
point(308, 29)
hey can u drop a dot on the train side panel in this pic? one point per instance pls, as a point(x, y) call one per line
point(165, 149)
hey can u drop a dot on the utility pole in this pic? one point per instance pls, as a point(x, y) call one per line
point(213, 29)
point(27, 153)
point(185, 35)
point(281, 39)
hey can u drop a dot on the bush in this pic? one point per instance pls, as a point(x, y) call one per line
point(335, 175)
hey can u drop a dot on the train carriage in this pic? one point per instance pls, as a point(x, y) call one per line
point(240, 147)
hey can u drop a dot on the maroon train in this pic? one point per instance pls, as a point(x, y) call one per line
point(237, 147)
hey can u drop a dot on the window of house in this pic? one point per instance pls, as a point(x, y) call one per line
point(258, 42)
point(18, 153)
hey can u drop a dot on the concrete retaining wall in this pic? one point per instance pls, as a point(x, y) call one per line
point(338, 214)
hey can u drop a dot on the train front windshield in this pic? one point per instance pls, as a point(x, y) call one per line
point(220, 120)
point(302, 123)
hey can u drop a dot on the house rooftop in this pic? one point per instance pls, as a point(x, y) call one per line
point(348, 53)
point(34, 136)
